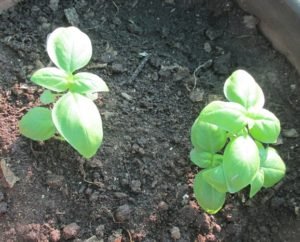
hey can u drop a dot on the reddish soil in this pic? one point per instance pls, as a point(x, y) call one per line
point(139, 185)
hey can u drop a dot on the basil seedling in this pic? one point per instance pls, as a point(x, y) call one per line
point(72, 113)
point(231, 143)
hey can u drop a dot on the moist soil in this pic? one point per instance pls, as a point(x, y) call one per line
point(163, 62)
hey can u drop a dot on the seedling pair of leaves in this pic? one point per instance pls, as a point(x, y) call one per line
point(231, 143)
point(72, 113)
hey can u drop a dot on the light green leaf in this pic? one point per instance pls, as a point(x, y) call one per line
point(69, 48)
point(273, 167)
point(207, 137)
point(37, 124)
point(47, 97)
point(265, 127)
point(241, 88)
point(84, 82)
point(208, 198)
point(226, 115)
point(51, 78)
point(77, 119)
point(202, 159)
point(257, 183)
point(240, 163)
point(215, 177)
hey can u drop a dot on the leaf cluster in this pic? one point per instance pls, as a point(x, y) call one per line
point(231, 143)
point(72, 113)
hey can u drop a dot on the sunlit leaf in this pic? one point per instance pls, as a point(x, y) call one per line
point(47, 97)
point(208, 198)
point(215, 177)
point(257, 183)
point(241, 88)
point(265, 127)
point(273, 167)
point(202, 159)
point(207, 137)
point(51, 78)
point(77, 119)
point(69, 48)
point(240, 163)
point(226, 115)
point(84, 82)
point(37, 124)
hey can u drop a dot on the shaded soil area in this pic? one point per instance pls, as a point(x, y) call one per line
point(163, 62)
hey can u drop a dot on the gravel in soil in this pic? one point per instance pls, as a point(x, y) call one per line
point(163, 62)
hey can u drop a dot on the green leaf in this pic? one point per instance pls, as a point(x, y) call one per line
point(208, 198)
point(265, 126)
point(69, 48)
point(215, 177)
point(257, 183)
point(51, 78)
point(241, 88)
point(273, 167)
point(207, 137)
point(84, 82)
point(202, 159)
point(77, 119)
point(240, 163)
point(47, 97)
point(226, 115)
point(37, 124)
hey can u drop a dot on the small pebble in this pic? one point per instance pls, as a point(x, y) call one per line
point(175, 233)
point(55, 235)
point(122, 213)
point(290, 133)
point(117, 68)
point(55, 181)
point(126, 96)
point(163, 206)
point(136, 186)
point(71, 231)
point(207, 47)
point(100, 231)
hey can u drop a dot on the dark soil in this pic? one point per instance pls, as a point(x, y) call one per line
point(139, 185)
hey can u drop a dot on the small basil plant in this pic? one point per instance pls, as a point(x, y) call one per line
point(231, 143)
point(69, 111)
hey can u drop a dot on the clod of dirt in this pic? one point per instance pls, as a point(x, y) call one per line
point(7, 177)
point(55, 235)
point(109, 56)
point(93, 239)
point(122, 213)
point(207, 47)
point(72, 16)
point(212, 34)
point(250, 21)
point(53, 4)
point(222, 64)
point(175, 233)
point(117, 68)
point(197, 95)
point(116, 236)
point(71, 231)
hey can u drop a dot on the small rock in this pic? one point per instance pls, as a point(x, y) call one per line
point(95, 163)
point(120, 195)
point(163, 206)
point(175, 233)
point(71, 231)
point(290, 133)
point(55, 235)
point(181, 73)
point(7, 177)
point(55, 181)
point(207, 47)
point(297, 211)
point(53, 4)
point(72, 16)
point(197, 95)
point(136, 186)
point(116, 236)
point(3, 208)
point(109, 56)
point(250, 21)
point(122, 213)
point(1, 196)
point(100, 231)
point(155, 62)
point(213, 34)
point(117, 68)
point(126, 96)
